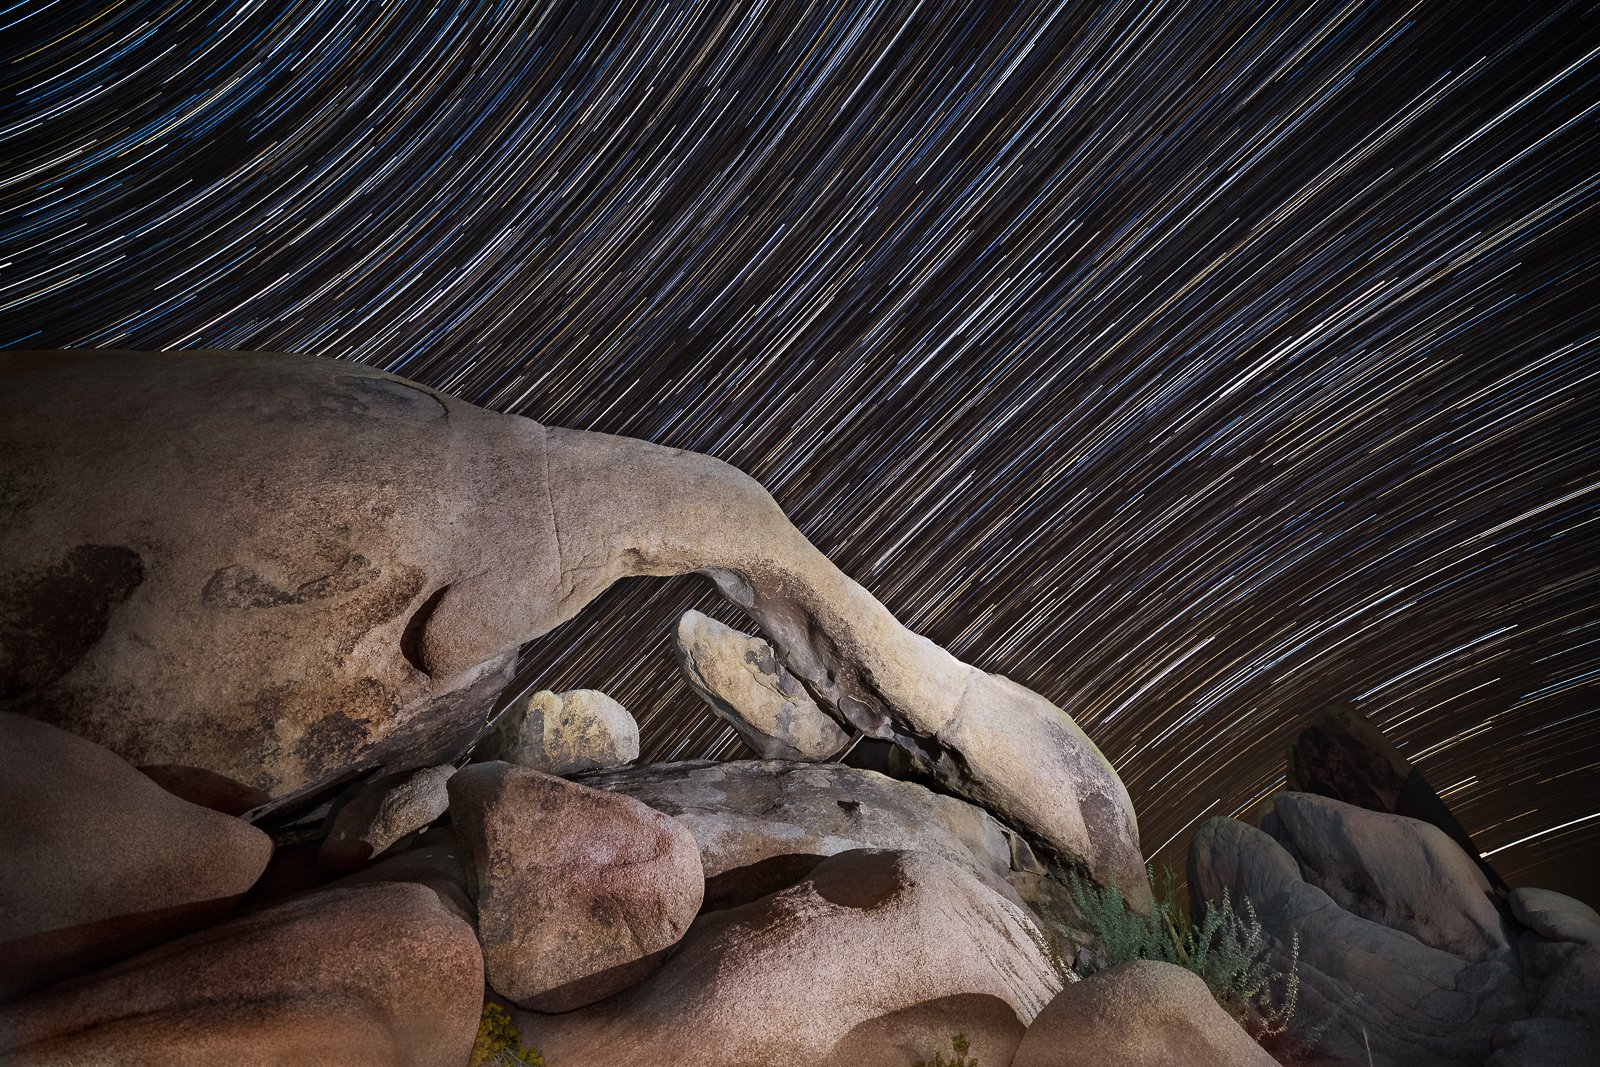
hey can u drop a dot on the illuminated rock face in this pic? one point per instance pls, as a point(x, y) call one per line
point(763, 824)
point(1137, 1013)
point(99, 861)
point(378, 975)
point(563, 733)
point(254, 567)
point(579, 892)
point(741, 680)
point(824, 970)
point(259, 575)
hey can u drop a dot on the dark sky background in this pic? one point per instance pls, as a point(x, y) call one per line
point(1194, 364)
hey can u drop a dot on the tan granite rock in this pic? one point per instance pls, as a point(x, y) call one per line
point(563, 733)
point(283, 571)
point(274, 569)
point(741, 680)
point(1139, 1014)
point(763, 824)
point(820, 973)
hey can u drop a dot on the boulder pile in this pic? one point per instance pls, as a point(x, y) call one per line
point(263, 800)
point(265, 803)
point(1408, 952)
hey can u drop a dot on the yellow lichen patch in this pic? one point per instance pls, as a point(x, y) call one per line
point(498, 1041)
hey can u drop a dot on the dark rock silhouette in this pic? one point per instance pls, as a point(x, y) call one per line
point(1411, 950)
point(1341, 754)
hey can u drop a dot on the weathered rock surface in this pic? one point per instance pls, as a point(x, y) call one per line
point(382, 812)
point(819, 973)
point(1545, 1043)
point(284, 572)
point(579, 891)
point(373, 975)
point(1556, 917)
point(924, 1031)
point(1398, 872)
point(1374, 986)
point(1490, 995)
point(740, 677)
point(762, 825)
point(1342, 755)
point(563, 733)
point(277, 569)
point(99, 861)
point(987, 738)
point(1561, 956)
point(1139, 1014)
point(1569, 983)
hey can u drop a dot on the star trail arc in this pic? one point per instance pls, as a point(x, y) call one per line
point(1193, 363)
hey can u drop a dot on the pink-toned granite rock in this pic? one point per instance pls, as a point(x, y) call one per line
point(579, 892)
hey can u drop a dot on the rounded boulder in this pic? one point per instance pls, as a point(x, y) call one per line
point(579, 892)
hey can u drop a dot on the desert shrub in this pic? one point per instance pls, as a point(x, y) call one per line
point(959, 1047)
point(499, 1043)
point(1228, 950)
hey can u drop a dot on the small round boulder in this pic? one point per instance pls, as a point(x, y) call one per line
point(563, 733)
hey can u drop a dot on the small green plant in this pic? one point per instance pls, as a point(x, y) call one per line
point(1230, 952)
point(959, 1046)
point(499, 1042)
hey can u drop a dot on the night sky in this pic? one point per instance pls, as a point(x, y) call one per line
point(1194, 364)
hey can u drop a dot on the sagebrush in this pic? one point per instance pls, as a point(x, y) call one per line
point(1230, 951)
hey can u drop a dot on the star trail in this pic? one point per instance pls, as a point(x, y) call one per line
point(1194, 364)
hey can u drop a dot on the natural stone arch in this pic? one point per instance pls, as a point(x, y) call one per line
point(313, 569)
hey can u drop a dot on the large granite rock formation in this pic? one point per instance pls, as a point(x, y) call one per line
point(1372, 985)
point(264, 574)
point(277, 570)
point(817, 973)
point(368, 976)
point(97, 861)
point(1394, 871)
point(1342, 755)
